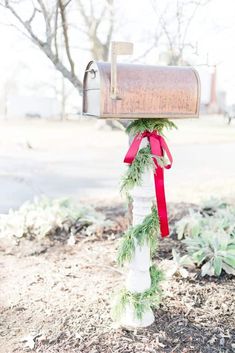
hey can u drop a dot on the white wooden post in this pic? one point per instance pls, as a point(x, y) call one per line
point(138, 277)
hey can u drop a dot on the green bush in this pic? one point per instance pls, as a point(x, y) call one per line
point(41, 217)
point(213, 252)
point(209, 235)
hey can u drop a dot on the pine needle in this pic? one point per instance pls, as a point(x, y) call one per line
point(145, 232)
point(144, 159)
point(140, 301)
point(141, 125)
point(134, 173)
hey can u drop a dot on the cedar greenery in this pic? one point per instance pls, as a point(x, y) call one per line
point(146, 231)
point(144, 159)
point(133, 175)
point(141, 301)
point(141, 125)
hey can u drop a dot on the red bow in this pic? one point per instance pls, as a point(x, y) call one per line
point(158, 146)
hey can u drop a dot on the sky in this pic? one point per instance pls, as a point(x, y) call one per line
point(22, 64)
point(213, 29)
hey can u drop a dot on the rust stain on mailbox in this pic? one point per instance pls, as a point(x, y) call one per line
point(143, 91)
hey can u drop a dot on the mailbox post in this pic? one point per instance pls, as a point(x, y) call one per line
point(138, 278)
point(146, 94)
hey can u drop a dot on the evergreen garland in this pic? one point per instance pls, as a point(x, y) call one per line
point(141, 125)
point(133, 175)
point(146, 231)
point(141, 301)
point(144, 159)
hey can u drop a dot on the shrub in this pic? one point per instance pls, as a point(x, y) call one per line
point(43, 216)
point(214, 252)
point(209, 235)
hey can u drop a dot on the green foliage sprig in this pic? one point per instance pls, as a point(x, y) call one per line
point(141, 125)
point(140, 301)
point(144, 159)
point(146, 231)
point(133, 175)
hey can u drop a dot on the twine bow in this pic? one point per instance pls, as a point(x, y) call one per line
point(158, 148)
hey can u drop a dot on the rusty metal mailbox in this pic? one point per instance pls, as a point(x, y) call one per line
point(130, 91)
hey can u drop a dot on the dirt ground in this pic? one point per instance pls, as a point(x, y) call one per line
point(56, 297)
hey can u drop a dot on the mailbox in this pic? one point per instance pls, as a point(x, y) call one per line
point(130, 91)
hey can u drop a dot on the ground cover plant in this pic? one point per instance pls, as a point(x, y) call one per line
point(209, 236)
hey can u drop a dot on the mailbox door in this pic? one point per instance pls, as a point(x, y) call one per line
point(91, 90)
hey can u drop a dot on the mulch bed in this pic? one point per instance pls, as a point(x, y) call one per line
point(60, 295)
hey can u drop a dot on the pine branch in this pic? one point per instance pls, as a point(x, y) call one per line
point(140, 301)
point(145, 232)
point(133, 175)
point(141, 125)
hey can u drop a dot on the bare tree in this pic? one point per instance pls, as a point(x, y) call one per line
point(174, 23)
point(93, 17)
point(55, 44)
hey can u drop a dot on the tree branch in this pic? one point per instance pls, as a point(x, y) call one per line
point(92, 21)
point(86, 18)
point(176, 29)
point(46, 46)
point(56, 30)
point(65, 34)
point(47, 21)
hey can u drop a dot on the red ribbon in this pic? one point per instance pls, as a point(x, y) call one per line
point(158, 147)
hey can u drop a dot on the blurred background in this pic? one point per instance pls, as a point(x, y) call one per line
point(48, 148)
